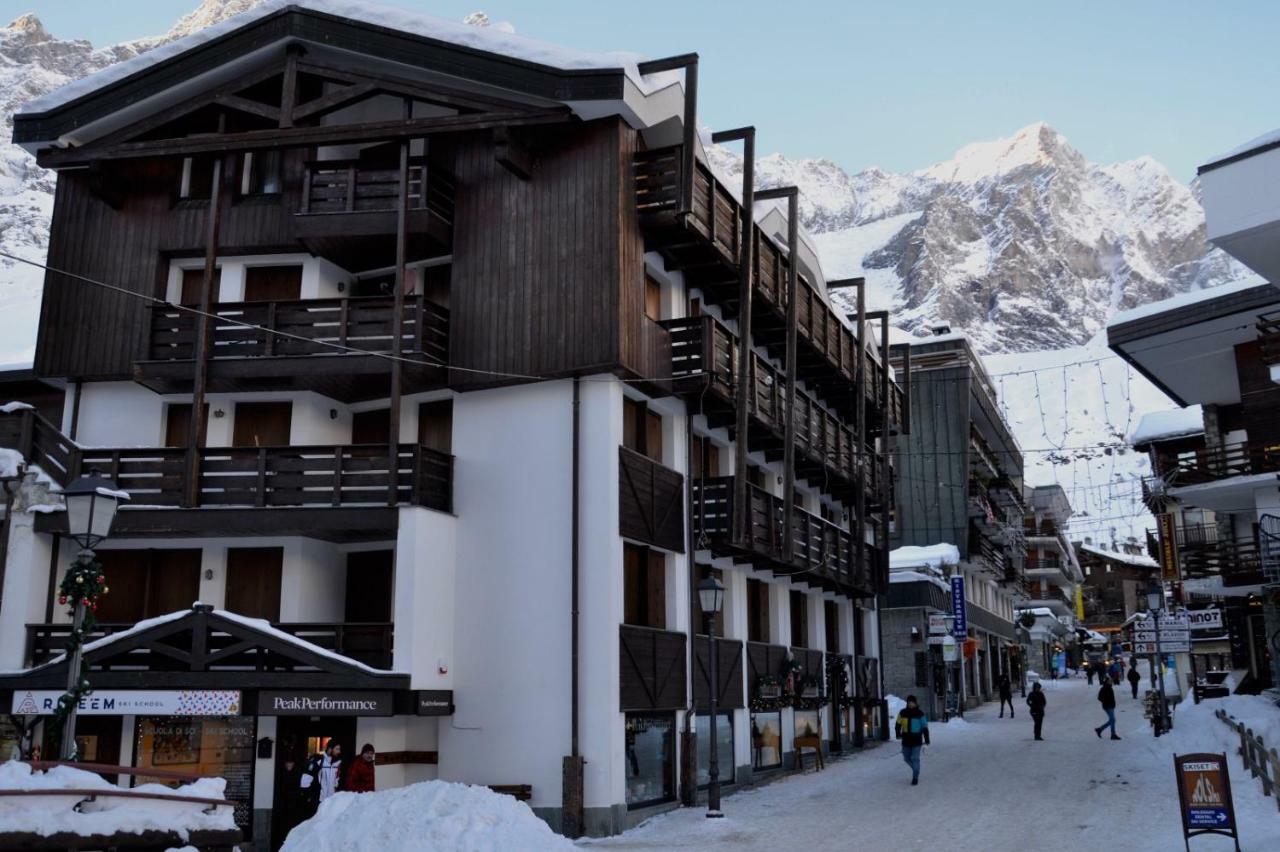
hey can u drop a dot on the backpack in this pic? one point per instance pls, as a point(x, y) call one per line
point(310, 781)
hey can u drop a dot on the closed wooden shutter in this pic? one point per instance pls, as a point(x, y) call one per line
point(435, 425)
point(193, 283)
point(272, 283)
point(656, 583)
point(262, 424)
point(253, 581)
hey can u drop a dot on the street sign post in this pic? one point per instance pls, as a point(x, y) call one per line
point(1204, 796)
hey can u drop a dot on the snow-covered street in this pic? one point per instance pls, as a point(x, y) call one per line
point(986, 784)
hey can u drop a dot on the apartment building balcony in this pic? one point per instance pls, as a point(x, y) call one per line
point(821, 554)
point(300, 344)
point(370, 644)
point(1222, 478)
point(1269, 340)
point(704, 369)
point(1241, 214)
point(1204, 552)
point(350, 208)
point(282, 490)
point(705, 245)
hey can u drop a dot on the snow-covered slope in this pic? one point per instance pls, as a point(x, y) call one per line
point(1021, 242)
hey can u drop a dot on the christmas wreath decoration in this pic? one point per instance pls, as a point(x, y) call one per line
point(82, 585)
point(769, 695)
point(812, 684)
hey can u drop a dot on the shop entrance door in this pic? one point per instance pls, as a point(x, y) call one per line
point(298, 738)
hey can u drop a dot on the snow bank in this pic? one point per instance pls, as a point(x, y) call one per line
point(1166, 425)
point(110, 814)
point(428, 815)
point(933, 556)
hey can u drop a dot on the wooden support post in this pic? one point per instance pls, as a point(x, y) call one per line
point(204, 335)
point(744, 392)
point(860, 433)
point(882, 579)
point(397, 325)
point(688, 157)
point(289, 89)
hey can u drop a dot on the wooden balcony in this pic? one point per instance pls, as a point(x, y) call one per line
point(368, 643)
point(821, 553)
point(1210, 464)
point(300, 345)
point(650, 501)
point(653, 665)
point(349, 212)
point(1269, 338)
point(1204, 552)
point(274, 478)
point(704, 369)
point(705, 246)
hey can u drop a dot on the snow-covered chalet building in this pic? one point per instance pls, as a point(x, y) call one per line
point(417, 347)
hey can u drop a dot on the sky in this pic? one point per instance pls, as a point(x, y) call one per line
point(899, 84)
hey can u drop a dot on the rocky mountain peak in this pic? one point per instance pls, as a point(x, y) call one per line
point(27, 26)
point(1036, 145)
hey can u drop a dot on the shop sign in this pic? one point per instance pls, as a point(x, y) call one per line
point(135, 702)
point(950, 650)
point(318, 702)
point(1168, 535)
point(961, 627)
point(435, 702)
point(938, 623)
point(1205, 619)
point(1204, 793)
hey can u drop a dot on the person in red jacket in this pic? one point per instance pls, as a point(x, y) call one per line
point(360, 775)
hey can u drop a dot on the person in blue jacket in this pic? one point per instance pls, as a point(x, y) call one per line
point(913, 730)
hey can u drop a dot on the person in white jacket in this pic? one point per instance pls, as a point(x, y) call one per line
point(327, 771)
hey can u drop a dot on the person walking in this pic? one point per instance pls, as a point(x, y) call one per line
point(913, 730)
point(1036, 702)
point(1107, 698)
point(329, 772)
point(360, 777)
point(1006, 694)
point(1134, 679)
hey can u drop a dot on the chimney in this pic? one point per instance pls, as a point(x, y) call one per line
point(940, 329)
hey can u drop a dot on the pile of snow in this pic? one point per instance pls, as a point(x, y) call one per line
point(1167, 425)
point(428, 815)
point(895, 705)
point(908, 576)
point(932, 556)
point(1119, 556)
point(55, 814)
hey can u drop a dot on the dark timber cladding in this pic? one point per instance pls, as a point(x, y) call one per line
point(540, 267)
point(936, 452)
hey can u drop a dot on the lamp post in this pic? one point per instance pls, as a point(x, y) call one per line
point(710, 599)
point(91, 507)
point(1155, 606)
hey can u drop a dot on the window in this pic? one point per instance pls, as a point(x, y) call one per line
point(371, 427)
point(652, 298)
point(705, 571)
point(644, 598)
point(651, 749)
point(197, 178)
point(757, 611)
point(193, 286)
point(807, 723)
point(260, 173)
point(273, 283)
point(799, 620)
point(724, 748)
point(219, 746)
point(148, 583)
point(262, 424)
point(253, 581)
point(831, 623)
point(766, 740)
point(641, 429)
point(435, 425)
point(756, 476)
point(705, 462)
point(177, 426)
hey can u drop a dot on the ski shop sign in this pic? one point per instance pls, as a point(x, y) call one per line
point(128, 702)
point(961, 626)
point(1204, 794)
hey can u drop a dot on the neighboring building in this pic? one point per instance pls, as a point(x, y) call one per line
point(1053, 577)
point(447, 277)
point(918, 589)
point(960, 483)
point(1114, 584)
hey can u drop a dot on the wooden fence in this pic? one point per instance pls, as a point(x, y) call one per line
point(1261, 762)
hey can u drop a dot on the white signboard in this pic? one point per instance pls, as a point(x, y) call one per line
point(950, 650)
point(1205, 619)
point(938, 624)
point(1177, 647)
point(1165, 636)
point(141, 702)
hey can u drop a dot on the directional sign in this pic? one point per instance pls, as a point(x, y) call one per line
point(1204, 793)
point(1180, 647)
point(1164, 636)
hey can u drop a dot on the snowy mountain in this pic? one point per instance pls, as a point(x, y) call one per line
point(1021, 242)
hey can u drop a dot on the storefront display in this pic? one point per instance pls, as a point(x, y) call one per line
point(724, 748)
point(222, 746)
point(766, 740)
point(651, 747)
point(807, 724)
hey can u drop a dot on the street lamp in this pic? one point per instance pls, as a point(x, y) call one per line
point(1155, 606)
point(711, 599)
point(91, 507)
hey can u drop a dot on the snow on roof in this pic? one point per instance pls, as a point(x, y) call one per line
point(1127, 558)
point(932, 556)
point(1270, 138)
point(1167, 425)
point(906, 575)
point(490, 39)
point(1192, 297)
point(58, 813)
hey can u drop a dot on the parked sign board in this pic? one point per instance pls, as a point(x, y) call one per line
point(135, 702)
point(1204, 793)
point(961, 627)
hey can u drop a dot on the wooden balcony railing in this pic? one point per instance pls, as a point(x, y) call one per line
point(312, 326)
point(365, 642)
point(328, 475)
point(820, 549)
point(1269, 338)
point(1237, 561)
point(716, 217)
point(343, 186)
point(650, 501)
point(1214, 463)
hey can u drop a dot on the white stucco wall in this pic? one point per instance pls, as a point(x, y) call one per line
point(26, 583)
point(425, 597)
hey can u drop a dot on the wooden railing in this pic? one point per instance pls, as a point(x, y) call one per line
point(343, 186)
point(1259, 761)
point(1237, 561)
point(819, 548)
point(366, 642)
point(1212, 463)
point(1269, 338)
point(716, 216)
point(704, 348)
point(328, 475)
point(305, 326)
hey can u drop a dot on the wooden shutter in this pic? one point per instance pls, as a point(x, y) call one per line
point(632, 425)
point(253, 581)
point(173, 581)
point(370, 583)
point(652, 298)
point(272, 283)
point(799, 621)
point(656, 588)
point(262, 424)
point(177, 425)
point(831, 623)
point(371, 427)
point(193, 282)
point(126, 573)
point(435, 425)
point(653, 435)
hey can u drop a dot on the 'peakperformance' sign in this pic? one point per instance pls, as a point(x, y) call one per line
point(313, 702)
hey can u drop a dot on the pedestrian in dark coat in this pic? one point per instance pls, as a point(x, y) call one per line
point(1107, 698)
point(913, 729)
point(1006, 695)
point(1036, 702)
point(1134, 679)
point(360, 777)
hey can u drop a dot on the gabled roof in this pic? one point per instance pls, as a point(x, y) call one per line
point(484, 59)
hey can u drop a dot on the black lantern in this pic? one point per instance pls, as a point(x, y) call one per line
point(710, 596)
point(91, 507)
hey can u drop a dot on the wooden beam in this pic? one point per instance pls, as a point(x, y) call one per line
point(845, 283)
point(245, 105)
point(298, 137)
point(397, 317)
point(333, 100)
point(434, 92)
point(289, 86)
point(511, 155)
